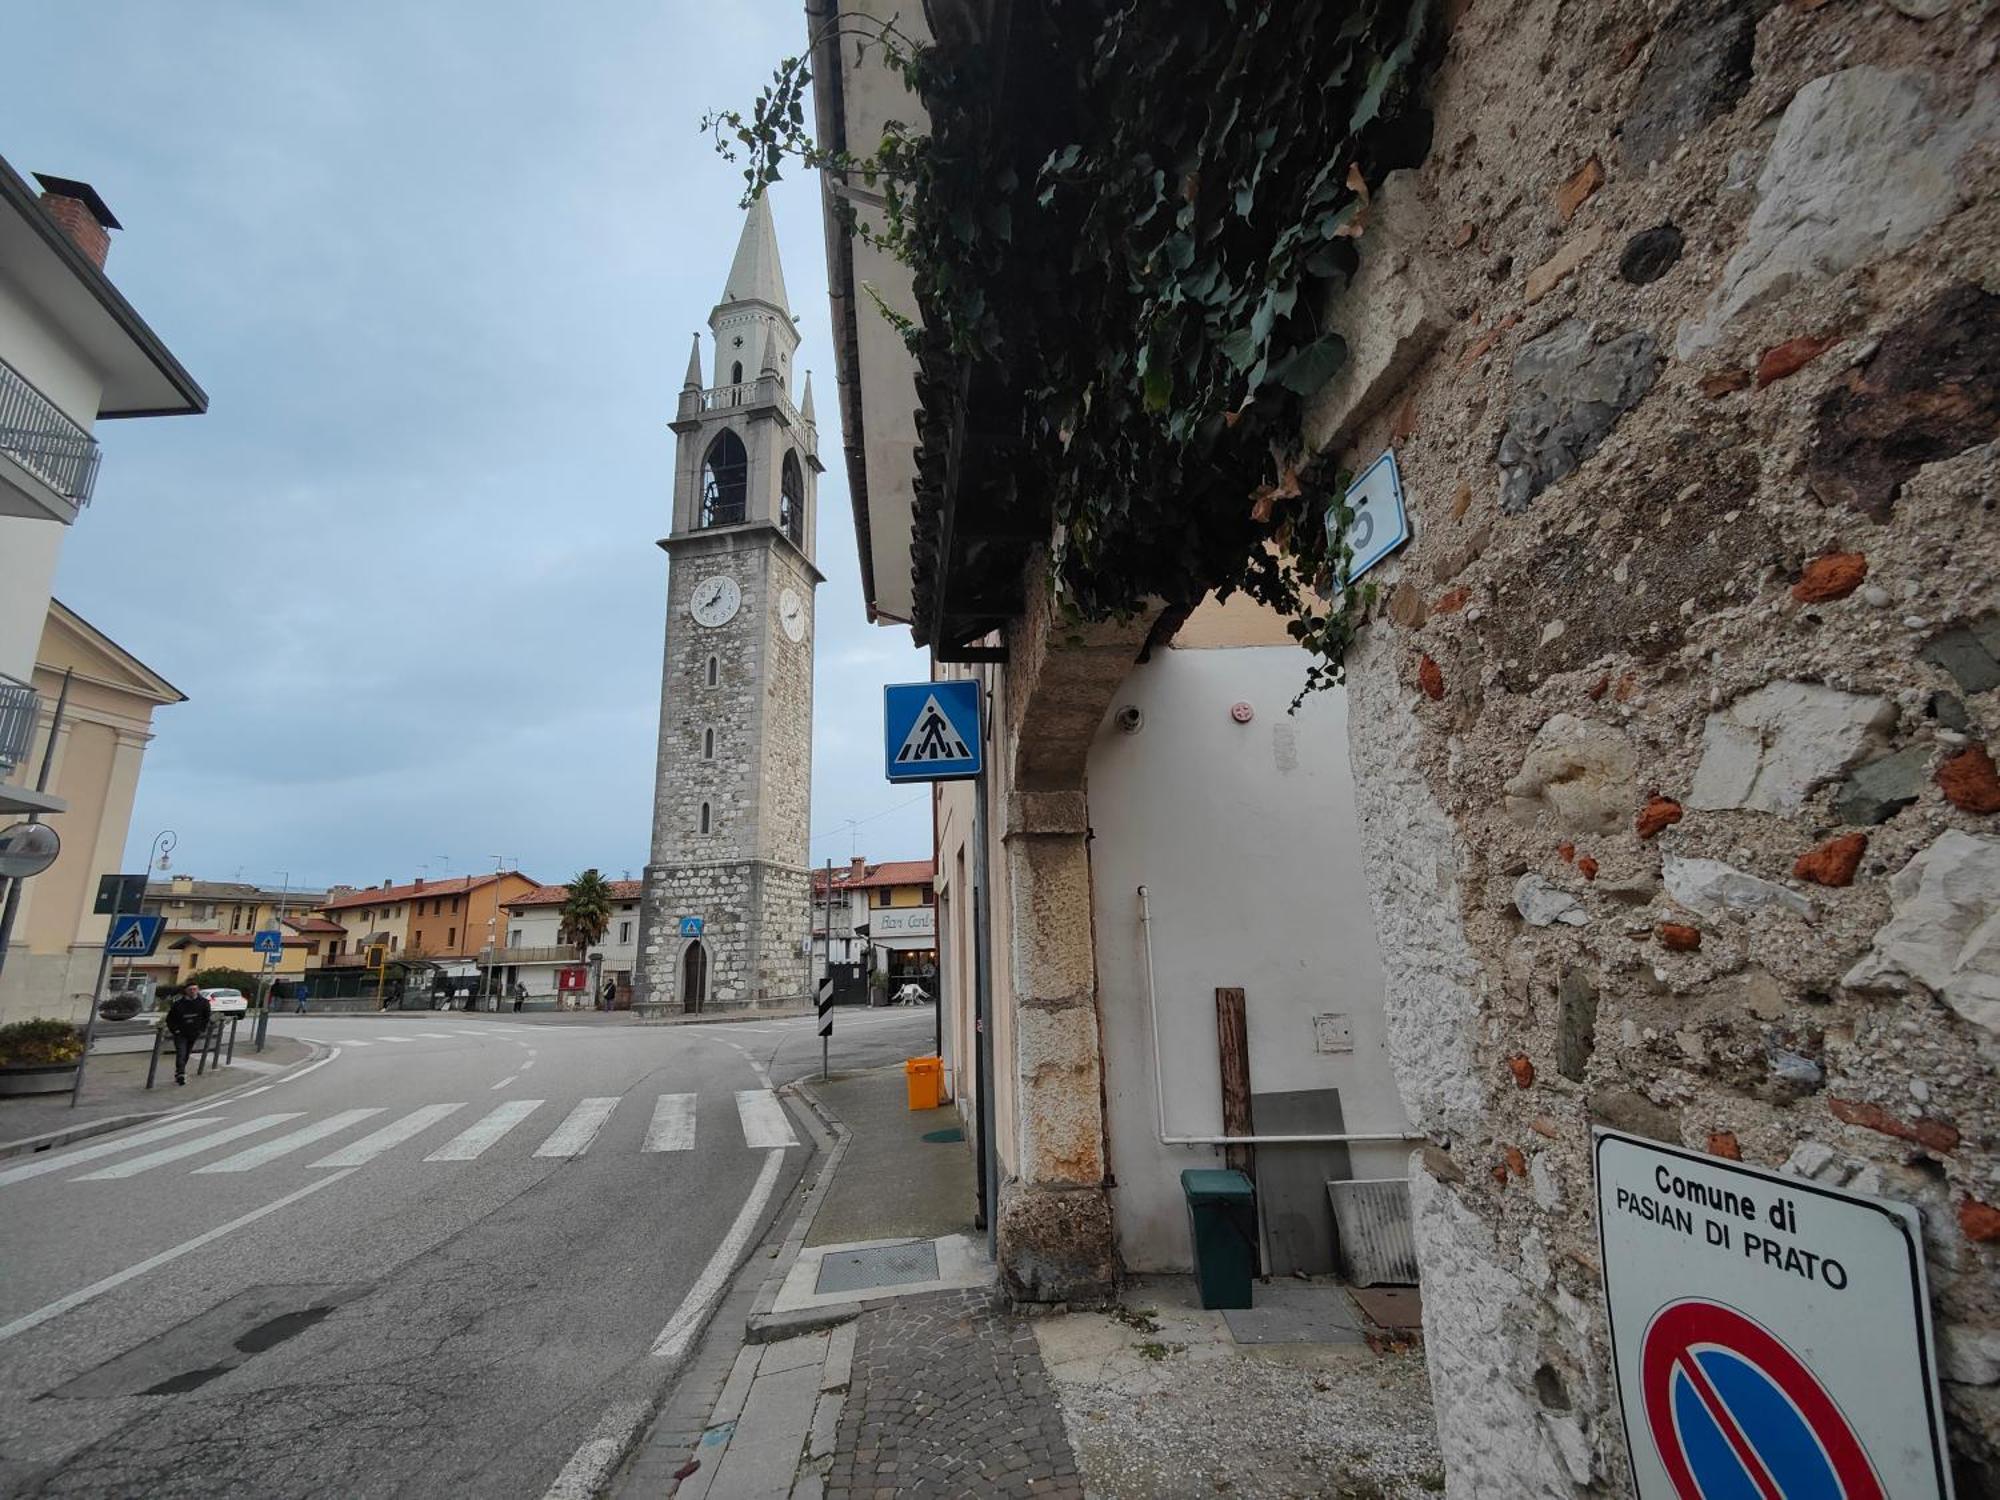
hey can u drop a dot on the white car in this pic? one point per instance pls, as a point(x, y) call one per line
point(223, 1004)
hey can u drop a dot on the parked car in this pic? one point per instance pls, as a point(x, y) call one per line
point(226, 1003)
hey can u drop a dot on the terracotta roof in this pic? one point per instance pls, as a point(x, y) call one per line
point(889, 872)
point(212, 939)
point(415, 890)
point(230, 890)
point(555, 895)
point(313, 924)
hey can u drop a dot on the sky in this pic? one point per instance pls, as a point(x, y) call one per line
point(436, 265)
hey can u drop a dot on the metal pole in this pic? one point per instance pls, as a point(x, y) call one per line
point(97, 994)
point(13, 906)
point(826, 962)
point(982, 1010)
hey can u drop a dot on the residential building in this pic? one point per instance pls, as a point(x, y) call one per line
point(450, 922)
point(226, 909)
point(877, 919)
point(72, 351)
point(1656, 806)
point(306, 944)
point(108, 697)
point(534, 949)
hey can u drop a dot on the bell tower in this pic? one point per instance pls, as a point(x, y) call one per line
point(727, 905)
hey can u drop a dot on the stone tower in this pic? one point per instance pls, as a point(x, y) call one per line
point(733, 792)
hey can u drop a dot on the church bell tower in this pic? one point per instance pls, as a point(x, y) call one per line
point(726, 912)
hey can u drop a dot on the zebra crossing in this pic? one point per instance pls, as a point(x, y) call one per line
point(671, 1127)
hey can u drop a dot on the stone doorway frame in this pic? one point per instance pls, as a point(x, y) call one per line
point(693, 985)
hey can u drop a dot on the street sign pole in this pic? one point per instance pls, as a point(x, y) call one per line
point(982, 1007)
point(117, 887)
point(826, 976)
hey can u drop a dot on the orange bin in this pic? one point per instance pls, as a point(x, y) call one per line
point(925, 1078)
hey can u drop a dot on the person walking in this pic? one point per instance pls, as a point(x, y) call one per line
point(520, 994)
point(187, 1019)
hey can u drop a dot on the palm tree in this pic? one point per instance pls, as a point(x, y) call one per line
point(586, 911)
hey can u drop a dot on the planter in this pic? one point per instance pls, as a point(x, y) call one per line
point(41, 1078)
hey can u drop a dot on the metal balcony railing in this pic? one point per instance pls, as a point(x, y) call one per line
point(36, 434)
point(18, 708)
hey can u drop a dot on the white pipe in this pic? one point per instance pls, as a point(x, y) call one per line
point(1160, 1087)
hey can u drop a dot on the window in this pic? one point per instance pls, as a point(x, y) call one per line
point(454, 905)
point(624, 932)
point(792, 501)
point(736, 373)
point(704, 817)
point(713, 666)
point(708, 744)
point(394, 942)
point(451, 937)
point(930, 894)
point(514, 938)
point(725, 481)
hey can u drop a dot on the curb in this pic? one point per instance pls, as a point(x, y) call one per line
point(764, 1326)
point(84, 1130)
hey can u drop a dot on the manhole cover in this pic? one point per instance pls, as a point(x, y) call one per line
point(889, 1265)
point(940, 1137)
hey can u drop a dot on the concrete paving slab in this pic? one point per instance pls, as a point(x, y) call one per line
point(736, 1390)
point(1296, 1312)
point(892, 1183)
point(792, 1354)
point(839, 1358)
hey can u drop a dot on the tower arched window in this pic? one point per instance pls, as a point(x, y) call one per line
point(714, 666)
point(725, 481)
point(736, 373)
point(708, 744)
point(792, 500)
point(704, 817)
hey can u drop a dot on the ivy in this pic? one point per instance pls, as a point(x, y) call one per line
point(1128, 257)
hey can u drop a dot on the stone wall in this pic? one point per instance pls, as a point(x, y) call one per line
point(1671, 741)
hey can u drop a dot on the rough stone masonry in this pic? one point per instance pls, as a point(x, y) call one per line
point(1674, 755)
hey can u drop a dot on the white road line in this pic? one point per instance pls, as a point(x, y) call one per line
point(42, 1165)
point(468, 1143)
point(285, 1145)
point(527, 1065)
point(574, 1135)
point(764, 1121)
point(693, 1312)
point(265, 1089)
point(310, 1067)
point(97, 1288)
point(154, 1159)
point(507, 1080)
point(437, 1036)
point(370, 1146)
point(390, 1039)
point(673, 1124)
point(352, 1041)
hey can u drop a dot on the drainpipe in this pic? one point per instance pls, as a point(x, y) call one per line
point(1160, 1088)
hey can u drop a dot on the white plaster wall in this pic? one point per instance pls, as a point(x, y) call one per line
point(28, 553)
point(32, 346)
point(1245, 836)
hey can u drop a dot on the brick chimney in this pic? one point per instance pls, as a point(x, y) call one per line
point(857, 868)
point(420, 882)
point(82, 214)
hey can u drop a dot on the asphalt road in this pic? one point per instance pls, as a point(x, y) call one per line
point(429, 1264)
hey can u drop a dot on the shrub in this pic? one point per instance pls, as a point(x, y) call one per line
point(40, 1043)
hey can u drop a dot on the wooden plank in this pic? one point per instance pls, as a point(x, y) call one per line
point(1232, 1045)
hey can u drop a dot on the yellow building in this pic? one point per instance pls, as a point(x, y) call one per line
point(308, 943)
point(57, 941)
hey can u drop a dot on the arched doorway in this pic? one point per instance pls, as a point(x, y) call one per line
point(694, 977)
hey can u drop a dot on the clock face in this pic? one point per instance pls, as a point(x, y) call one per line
point(792, 615)
point(715, 600)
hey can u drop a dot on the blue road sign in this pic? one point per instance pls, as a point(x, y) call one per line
point(930, 731)
point(1378, 524)
point(270, 941)
point(134, 936)
point(690, 926)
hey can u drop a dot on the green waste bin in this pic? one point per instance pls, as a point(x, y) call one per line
point(1222, 1225)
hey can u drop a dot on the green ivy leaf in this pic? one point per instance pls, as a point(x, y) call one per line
point(1305, 370)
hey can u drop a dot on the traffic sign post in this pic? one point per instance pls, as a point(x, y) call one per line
point(271, 943)
point(1770, 1335)
point(691, 927)
point(118, 897)
point(933, 731)
point(1377, 521)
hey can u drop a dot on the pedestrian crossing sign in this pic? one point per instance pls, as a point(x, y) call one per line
point(930, 731)
point(134, 936)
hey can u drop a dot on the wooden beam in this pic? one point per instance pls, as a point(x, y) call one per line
point(1232, 1044)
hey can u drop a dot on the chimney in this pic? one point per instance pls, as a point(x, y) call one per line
point(420, 882)
point(857, 868)
point(387, 883)
point(82, 214)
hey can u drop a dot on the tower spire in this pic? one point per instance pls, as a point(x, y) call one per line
point(806, 400)
point(693, 381)
point(755, 275)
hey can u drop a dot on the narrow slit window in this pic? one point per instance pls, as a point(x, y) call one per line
point(711, 671)
point(704, 817)
point(708, 744)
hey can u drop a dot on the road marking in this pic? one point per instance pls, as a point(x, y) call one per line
point(693, 1312)
point(285, 1145)
point(764, 1120)
point(507, 1080)
point(310, 1067)
point(352, 1041)
point(468, 1143)
point(673, 1124)
point(574, 1135)
point(265, 1089)
point(437, 1036)
point(527, 1065)
point(154, 1159)
point(388, 1039)
point(42, 1165)
point(97, 1288)
point(356, 1153)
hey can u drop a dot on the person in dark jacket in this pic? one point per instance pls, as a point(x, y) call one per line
point(187, 1019)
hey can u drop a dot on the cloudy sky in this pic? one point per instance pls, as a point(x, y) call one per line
point(436, 265)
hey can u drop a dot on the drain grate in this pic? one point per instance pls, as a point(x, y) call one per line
point(943, 1137)
point(887, 1265)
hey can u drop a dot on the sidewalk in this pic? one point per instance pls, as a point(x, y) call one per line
point(115, 1093)
point(905, 1384)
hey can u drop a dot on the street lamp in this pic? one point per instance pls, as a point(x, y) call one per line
point(164, 843)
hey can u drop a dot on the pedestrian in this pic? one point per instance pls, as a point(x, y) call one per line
point(520, 994)
point(610, 994)
point(302, 998)
point(187, 1019)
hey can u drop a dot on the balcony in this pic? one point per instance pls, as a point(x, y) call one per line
point(560, 953)
point(18, 710)
point(54, 453)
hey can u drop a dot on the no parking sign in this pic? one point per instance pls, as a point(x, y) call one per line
point(1771, 1336)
